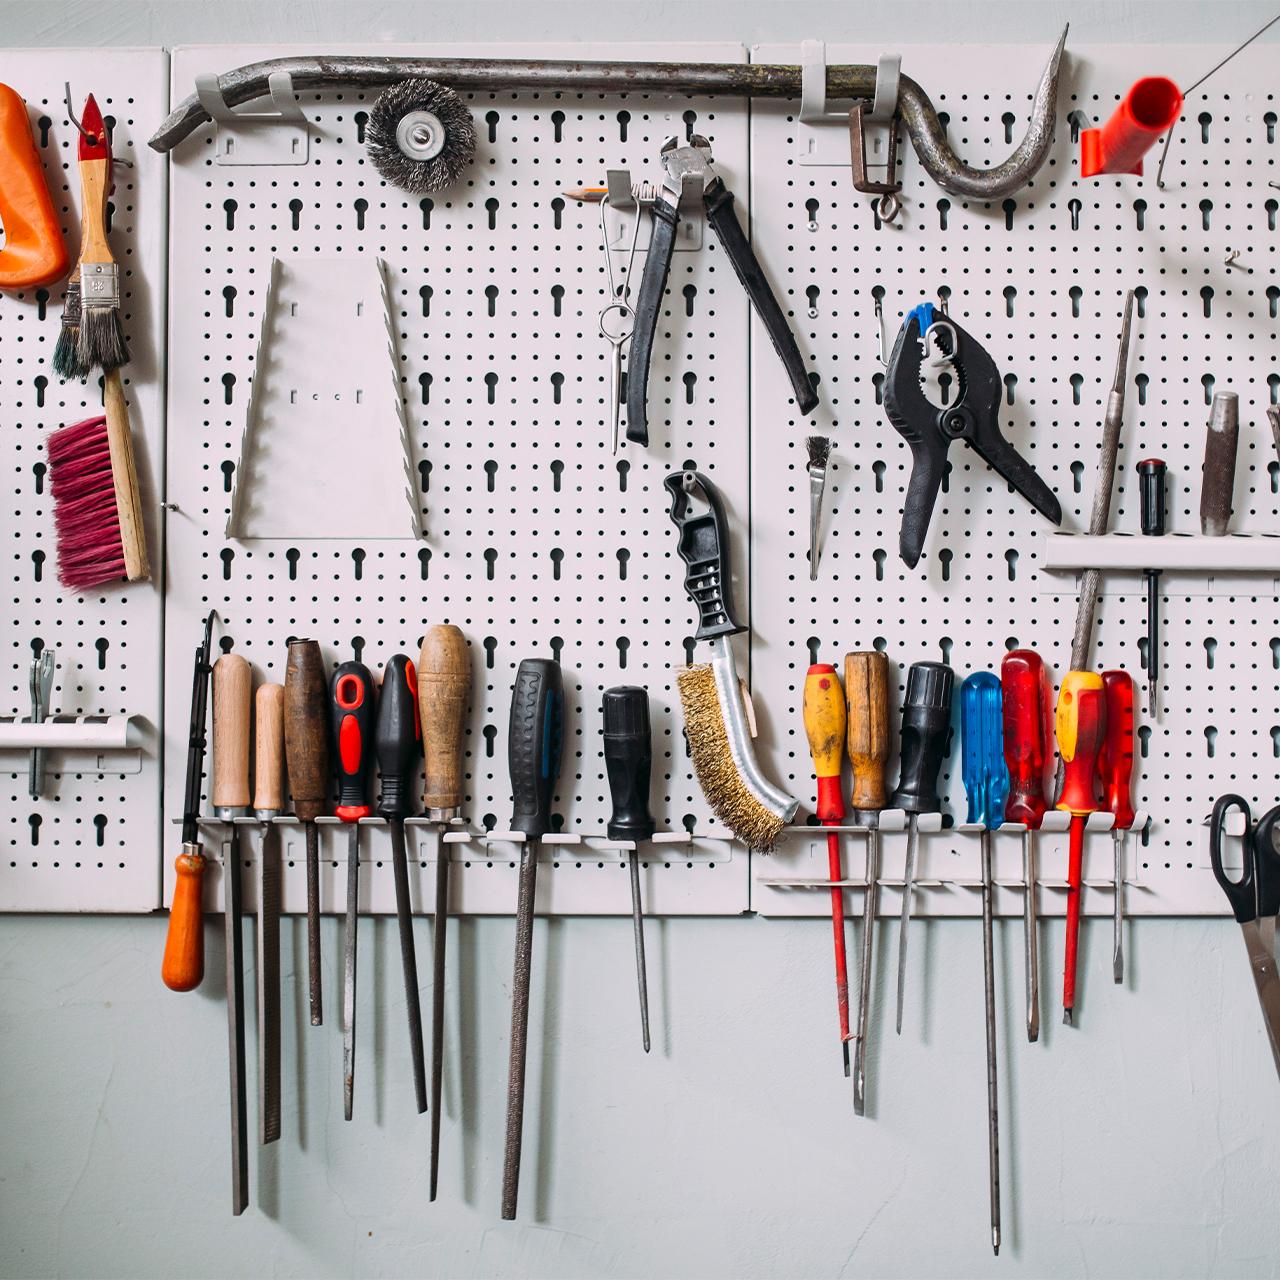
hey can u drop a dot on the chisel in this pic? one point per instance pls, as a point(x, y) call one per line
point(398, 744)
point(351, 704)
point(533, 753)
point(268, 802)
point(306, 754)
point(232, 700)
point(866, 691)
point(444, 690)
point(628, 761)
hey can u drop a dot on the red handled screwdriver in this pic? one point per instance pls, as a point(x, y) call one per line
point(824, 725)
point(351, 699)
point(1081, 723)
point(1115, 764)
point(1028, 747)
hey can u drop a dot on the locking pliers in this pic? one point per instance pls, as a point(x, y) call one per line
point(691, 164)
point(972, 416)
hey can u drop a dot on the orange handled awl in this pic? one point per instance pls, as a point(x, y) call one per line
point(824, 725)
point(1081, 722)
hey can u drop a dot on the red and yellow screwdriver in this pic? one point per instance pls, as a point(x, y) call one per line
point(1081, 723)
point(824, 725)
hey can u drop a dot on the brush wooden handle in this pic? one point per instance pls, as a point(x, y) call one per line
point(306, 729)
point(444, 690)
point(232, 700)
point(866, 691)
point(124, 476)
point(94, 189)
point(183, 963)
point(268, 757)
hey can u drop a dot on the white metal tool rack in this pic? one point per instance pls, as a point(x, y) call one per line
point(1039, 279)
point(537, 541)
point(90, 842)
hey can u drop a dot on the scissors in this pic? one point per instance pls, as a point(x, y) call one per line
point(1255, 902)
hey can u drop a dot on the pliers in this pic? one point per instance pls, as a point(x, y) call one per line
point(693, 160)
point(973, 416)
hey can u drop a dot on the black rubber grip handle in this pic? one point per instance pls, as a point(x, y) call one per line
point(925, 738)
point(398, 738)
point(352, 704)
point(724, 222)
point(653, 285)
point(698, 513)
point(628, 762)
point(1151, 484)
point(533, 743)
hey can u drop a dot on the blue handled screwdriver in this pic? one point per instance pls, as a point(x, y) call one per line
point(986, 785)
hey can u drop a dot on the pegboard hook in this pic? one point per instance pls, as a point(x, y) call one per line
point(282, 136)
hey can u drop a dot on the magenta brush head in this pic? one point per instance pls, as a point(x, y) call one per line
point(90, 550)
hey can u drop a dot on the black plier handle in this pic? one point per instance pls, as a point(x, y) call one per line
point(973, 415)
point(694, 160)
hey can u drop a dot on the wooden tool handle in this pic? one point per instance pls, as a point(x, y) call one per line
point(866, 689)
point(444, 690)
point(268, 754)
point(232, 699)
point(183, 963)
point(94, 179)
point(124, 476)
point(306, 729)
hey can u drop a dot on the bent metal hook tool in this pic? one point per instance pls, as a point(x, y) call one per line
point(751, 80)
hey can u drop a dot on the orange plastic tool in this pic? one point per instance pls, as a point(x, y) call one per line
point(33, 253)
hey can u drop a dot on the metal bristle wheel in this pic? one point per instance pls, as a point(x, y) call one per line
point(420, 136)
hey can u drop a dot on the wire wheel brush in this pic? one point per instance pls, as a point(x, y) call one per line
point(420, 136)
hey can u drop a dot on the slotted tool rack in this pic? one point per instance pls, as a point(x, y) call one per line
point(537, 541)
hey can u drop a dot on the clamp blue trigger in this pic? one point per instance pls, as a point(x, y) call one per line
point(922, 314)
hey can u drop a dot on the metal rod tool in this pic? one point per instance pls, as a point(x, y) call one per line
point(397, 743)
point(533, 749)
point(925, 742)
point(268, 803)
point(306, 753)
point(628, 761)
point(232, 702)
point(866, 691)
point(352, 706)
point(986, 784)
point(444, 696)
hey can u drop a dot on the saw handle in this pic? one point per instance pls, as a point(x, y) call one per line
point(183, 965)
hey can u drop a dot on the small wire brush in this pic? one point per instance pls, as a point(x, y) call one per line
point(420, 136)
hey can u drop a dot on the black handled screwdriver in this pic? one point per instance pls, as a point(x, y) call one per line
point(925, 744)
point(1151, 478)
point(533, 755)
point(628, 760)
point(352, 705)
point(398, 744)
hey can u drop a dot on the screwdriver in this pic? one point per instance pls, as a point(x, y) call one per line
point(232, 699)
point(444, 692)
point(533, 756)
point(825, 722)
point(925, 744)
point(1081, 724)
point(1028, 747)
point(268, 801)
point(1115, 765)
point(628, 761)
point(397, 743)
point(1151, 482)
point(306, 754)
point(986, 784)
point(866, 691)
point(351, 700)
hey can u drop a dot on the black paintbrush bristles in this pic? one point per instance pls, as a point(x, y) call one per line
point(66, 353)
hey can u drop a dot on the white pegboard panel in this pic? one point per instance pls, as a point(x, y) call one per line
point(1039, 279)
point(537, 541)
point(89, 844)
